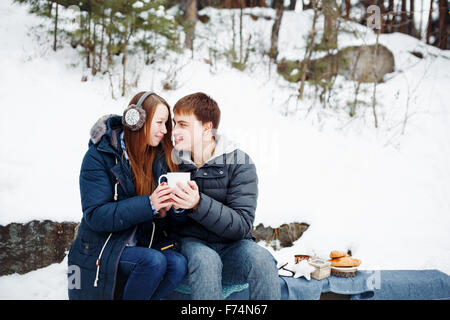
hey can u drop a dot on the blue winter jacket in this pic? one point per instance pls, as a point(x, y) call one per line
point(112, 215)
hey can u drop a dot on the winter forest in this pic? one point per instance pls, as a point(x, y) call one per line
point(106, 33)
point(342, 105)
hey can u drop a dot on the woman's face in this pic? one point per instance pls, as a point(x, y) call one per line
point(158, 126)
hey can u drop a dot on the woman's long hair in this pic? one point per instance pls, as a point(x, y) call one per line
point(141, 154)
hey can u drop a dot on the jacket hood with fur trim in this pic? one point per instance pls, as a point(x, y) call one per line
point(100, 128)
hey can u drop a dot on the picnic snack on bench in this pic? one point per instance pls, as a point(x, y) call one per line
point(338, 254)
point(343, 259)
point(343, 265)
point(345, 262)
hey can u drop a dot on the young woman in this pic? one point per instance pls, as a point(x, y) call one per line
point(124, 247)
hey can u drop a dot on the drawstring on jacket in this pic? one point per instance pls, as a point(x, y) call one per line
point(153, 232)
point(116, 195)
point(115, 190)
point(99, 258)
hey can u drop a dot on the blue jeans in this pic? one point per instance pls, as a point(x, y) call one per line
point(152, 274)
point(243, 261)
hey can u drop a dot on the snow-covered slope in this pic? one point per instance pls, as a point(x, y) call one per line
point(383, 193)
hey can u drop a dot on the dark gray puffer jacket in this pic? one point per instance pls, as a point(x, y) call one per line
point(228, 186)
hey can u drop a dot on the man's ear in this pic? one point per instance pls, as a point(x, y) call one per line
point(207, 127)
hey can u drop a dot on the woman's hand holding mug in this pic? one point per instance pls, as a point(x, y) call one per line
point(159, 199)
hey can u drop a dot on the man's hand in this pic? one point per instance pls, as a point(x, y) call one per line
point(185, 196)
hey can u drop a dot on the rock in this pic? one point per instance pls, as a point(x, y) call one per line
point(203, 18)
point(34, 245)
point(417, 54)
point(354, 63)
point(361, 64)
point(286, 234)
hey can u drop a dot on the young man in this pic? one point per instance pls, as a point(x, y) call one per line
point(221, 202)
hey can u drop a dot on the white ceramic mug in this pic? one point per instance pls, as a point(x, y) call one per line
point(174, 177)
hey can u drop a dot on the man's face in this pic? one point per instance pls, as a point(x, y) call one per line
point(187, 132)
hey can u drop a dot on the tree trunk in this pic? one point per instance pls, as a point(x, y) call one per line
point(110, 41)
point(101, 44)
point(292, 4)
point(241, 37)
point(443, 24)
point(375, 77)
point(233, 40)
point(94, 47)
point(55, 31)
point(390, 17)
point(382, 18)
point(411, 25)
point(276, 29)
point(190, 17)
point(310, 49)
point(88, 43)
point(404, 18)
point(124, 59)
point(430, 22)
point(421, 19)
point(330, 29)
point(347, 9)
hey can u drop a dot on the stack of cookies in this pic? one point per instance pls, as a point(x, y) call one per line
point(342, 264)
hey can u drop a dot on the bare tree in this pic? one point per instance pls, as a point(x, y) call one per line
point(375, 81)
point(411, 27)
point(190, 17)
point(241, 37)
point(390, 17)
point(430, 22)
point(101, 43)
point(309, 49)
point(55, 31)
point(276, 29)
point(347, 9)
point(94, 46)
point(383, 15)
point(330, 12)
point(443, 24)
point(124, 58)
point(421, 15)
point(292, 4)
point(110, 40)
point(404, 18)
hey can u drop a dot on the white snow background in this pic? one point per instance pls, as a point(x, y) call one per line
point(382, 193)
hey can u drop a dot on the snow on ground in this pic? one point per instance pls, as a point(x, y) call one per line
point(383, 193)
point(49, 283)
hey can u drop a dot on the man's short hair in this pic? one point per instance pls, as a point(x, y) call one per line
point(201, 105)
